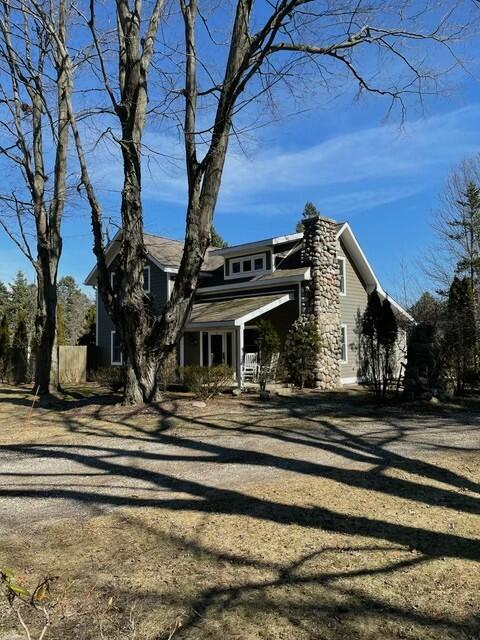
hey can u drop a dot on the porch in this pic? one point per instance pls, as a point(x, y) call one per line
point(223, 331)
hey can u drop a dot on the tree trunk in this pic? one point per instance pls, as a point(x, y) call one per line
point(46, 369)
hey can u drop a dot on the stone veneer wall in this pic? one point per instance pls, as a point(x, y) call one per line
point(321, 300)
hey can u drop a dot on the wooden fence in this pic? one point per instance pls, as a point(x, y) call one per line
point(72, 364)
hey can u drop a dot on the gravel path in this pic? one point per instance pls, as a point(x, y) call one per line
point(87, 460)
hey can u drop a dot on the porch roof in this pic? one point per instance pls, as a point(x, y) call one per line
point(234, 311)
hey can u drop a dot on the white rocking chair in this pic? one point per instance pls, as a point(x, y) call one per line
point(250, 367)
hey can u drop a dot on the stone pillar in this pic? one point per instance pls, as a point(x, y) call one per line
point(321, 296)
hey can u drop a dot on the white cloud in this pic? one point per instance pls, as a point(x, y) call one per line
point(349, 173)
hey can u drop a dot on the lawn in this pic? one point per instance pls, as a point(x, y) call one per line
point(307, 517)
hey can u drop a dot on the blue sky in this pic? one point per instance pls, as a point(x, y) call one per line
point(381, 177)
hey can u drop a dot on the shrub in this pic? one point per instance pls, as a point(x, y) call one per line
point(301, 349)
point(206, 382)
point(268, 343)
point(168, 371)
point(379, 332)
point(111, 377)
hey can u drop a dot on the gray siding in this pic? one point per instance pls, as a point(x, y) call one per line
point(352, 306)
point(159, 292)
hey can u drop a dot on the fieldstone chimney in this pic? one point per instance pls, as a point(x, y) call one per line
point(321, 299)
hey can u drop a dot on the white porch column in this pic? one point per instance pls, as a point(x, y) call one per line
point(239, 336)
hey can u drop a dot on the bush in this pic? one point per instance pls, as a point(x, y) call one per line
point(111, 377)
point(167, 373)
point(206, 382)
point(301, 350)
point(268, 343)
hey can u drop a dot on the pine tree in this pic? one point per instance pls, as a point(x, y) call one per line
point(75, 305)
point(460, 332)
point(216, 240)
point(60, 326)
point(4, 348)
point(22, 302)
point(309, 211)
point(89, 330)
point(19, 352)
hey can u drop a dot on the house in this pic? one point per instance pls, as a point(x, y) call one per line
point(322, 272)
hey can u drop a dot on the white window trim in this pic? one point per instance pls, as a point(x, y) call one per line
point(147, 267)
point(112, 276)
point(112, 362)
point(344, 292)
point(344, 327)
point(252, 272)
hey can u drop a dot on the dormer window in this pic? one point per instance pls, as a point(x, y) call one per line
point(246, 265)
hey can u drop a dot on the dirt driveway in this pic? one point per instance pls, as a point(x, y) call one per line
point(313, 518)
point(93, 456)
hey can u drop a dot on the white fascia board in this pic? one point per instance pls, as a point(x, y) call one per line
point(238, 322)
point(110, 254)
point(255, 284)
point(365, 268)
point(261, 310)
point(238, 249)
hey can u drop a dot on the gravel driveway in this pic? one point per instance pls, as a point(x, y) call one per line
point(89, 457)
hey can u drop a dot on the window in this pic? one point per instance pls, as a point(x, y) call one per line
point(343, 277)
point(146, 279)
point(246, 265)
point(116, 356)
point(343, 344)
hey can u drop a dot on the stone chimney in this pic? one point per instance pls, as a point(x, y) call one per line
point(321, 296)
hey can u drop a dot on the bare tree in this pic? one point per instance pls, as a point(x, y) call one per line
point(268, 46)
point(35, 129)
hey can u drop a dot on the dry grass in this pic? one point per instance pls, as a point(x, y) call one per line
point(302, 558)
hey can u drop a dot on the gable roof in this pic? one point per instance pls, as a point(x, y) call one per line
point(164, 252)
point(368, 275)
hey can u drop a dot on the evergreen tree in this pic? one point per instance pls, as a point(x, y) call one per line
point(19, 352)
point(379, 331)
point(89, 330)
point(75, 305)
point(216, 240)
point(4, 348)
point(309, 211)
point(4, 298)
point(460, 331)
point(60, 326)
point(22, 302)
point(465, 230)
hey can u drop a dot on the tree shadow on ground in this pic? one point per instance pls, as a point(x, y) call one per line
point(223, 440)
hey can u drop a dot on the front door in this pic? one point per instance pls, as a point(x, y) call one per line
point(217, 352)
